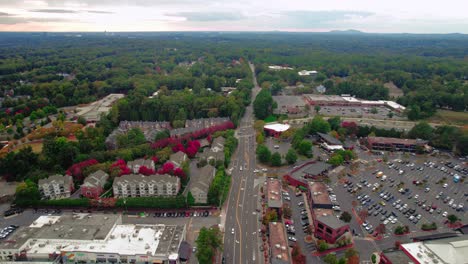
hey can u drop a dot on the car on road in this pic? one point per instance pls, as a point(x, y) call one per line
point(232, 231)
point(291, 238)
point(445, 214)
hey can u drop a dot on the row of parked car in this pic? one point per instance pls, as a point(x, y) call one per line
point(182, 214)
point(5, 232)
point(12, 211)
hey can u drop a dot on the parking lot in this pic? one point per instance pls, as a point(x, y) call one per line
point(354, 111)
point(407, 192)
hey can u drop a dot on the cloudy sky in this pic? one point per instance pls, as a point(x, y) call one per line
point(386, 16)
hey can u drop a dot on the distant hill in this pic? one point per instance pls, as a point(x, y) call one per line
point(349, 31)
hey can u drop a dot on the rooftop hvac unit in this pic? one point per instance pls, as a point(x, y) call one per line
point(91, 247)
point(134, 235)
point(140, 239)
point(41, 245)
point(148, 252)
point(112, 236)
point(419, 255)
point(122, 235)
point(105, 218)
point(85, 230)
point(56, 229)
point(147, 246)
point(435, 261)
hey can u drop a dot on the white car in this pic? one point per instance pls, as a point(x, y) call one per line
point(240, 168)
point(255, 171)
point(386, 222)
point(394, 221)
point(445, 214)
point(445, 185)
point(264, 169)
point(232, 231)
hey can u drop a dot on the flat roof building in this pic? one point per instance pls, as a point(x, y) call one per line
point(275, 129)
point(452, 250)
point(93, 238)
point(308, 171)
point(274, 193)
point(279, 250)
point(395, 144)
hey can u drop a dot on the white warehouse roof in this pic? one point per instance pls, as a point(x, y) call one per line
point(277, 127)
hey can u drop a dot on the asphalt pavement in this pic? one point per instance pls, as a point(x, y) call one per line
point(242, 245)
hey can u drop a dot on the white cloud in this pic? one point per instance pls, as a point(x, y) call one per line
point(424, 16)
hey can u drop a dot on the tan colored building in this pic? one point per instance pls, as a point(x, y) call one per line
point(137, 185)
point(201, 184)
point(56, 186)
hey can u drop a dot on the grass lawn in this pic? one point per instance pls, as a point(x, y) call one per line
point(450, 117)
point(270, 119)
point(36, 147)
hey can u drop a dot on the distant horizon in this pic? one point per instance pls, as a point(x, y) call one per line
point(393, 17)
point(344, 32)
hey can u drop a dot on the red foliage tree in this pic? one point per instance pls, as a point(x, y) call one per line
point(167, 168)
point(351, 127)
point(353, 259)
point(179, 173)
point(122, 166)
point(178, 147)
point(76, 170)
point(146, 171)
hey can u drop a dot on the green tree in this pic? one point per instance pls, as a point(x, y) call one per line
point(330, 258)
point(190, 199)
point(322, 245)
point(318, 124)
point(374, 110)
point(133, 137)
point(462, 145)
point(346, 217)
point(317, 109)
point(452, 218)
point(276, 88)
point(276, 159)
point(263, 154)
point(27, 192)
point(291, 156)
point(81, 120)
point(335, 123)
point(209, 240)
point(421, 130)
point(263, 104)
point(305, 148)
point(336, 160)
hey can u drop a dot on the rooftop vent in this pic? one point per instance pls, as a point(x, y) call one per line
point(91, 247)
point(85, 230)
point(147, 246)
point(140, 239)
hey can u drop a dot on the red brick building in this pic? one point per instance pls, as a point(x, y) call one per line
point(327, 225)
point(93, 185)
point(395, 144)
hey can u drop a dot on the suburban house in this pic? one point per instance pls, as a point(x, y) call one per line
point(209, 155)
point(218, 144)
point(56, 186)
point(178, 158)
point(93, 185)
point(201, 184)
point(135, 165)
point(138, 185)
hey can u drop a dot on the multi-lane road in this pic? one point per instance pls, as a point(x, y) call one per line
point(241, 246)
